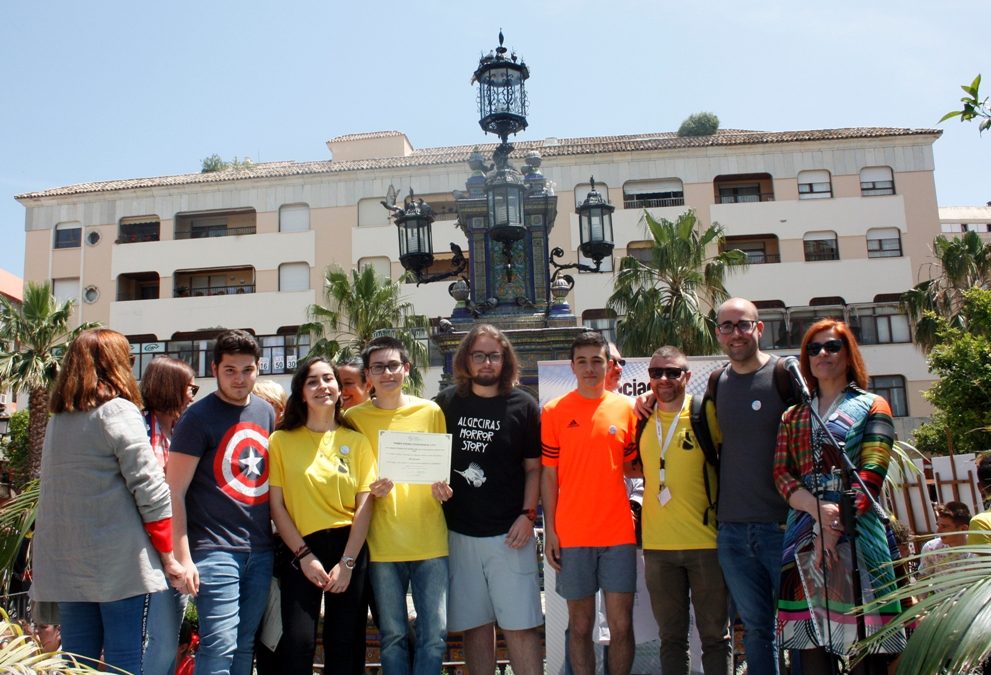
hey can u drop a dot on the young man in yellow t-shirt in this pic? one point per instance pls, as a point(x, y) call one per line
point(407, 541)
point(679, 543)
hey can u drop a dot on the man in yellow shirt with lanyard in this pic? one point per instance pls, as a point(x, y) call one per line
point(679, 542)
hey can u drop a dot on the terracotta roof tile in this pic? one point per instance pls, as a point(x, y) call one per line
point(560, 147)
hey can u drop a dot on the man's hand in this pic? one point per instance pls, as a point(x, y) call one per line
point(381, 487)
point(521, 531)
point(552, 550)
point(643, 405)
point(441, 491)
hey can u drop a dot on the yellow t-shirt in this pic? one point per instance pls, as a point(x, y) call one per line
point(407, 524)
point(980, 526)
point(676, 526)
point(320, 475)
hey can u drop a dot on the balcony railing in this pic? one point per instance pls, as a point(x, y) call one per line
point(653, 203)
point(763, 258)
point(817, 257)
point(182, 292)
point(135, 238)
point(741, 199)
point(215, 232)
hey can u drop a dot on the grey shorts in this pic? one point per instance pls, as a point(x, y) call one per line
point(491, 582)
point(586, 569)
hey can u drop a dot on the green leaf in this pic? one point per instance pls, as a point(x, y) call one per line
point(950, 115)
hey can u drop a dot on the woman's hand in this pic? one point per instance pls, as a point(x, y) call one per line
point(174, 572)
point(339, 580)
point(313, 570)
point(829, 528)
point(381, 487)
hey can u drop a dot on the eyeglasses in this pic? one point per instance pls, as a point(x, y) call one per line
point(745, 326)
point(831, 347)
point(619, 362)
point(131, 359)
point(194, 389)
point(392, 367)
point(670, 373)
point(478, 358)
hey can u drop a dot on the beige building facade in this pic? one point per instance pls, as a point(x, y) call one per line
point(834, 223)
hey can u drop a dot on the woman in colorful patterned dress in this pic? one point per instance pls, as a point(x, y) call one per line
point(810, 473)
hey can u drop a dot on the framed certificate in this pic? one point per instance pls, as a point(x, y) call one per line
point(414, 457)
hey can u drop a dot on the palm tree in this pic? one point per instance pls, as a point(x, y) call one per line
point(32, 335)
point(670, 298)
point(962, 263)
point(362, 305)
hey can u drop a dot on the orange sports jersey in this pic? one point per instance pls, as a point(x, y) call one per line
point(588, 440)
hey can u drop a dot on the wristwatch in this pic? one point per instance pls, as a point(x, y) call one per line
point(348, 561)
point(530, 513)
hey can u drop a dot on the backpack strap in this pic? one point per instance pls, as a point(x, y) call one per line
point(703, 436)
point(787, 390)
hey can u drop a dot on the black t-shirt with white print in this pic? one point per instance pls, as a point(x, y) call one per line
point(490, 439)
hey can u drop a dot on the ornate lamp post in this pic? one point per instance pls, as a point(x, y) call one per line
point(595, 233)
point(414, 225)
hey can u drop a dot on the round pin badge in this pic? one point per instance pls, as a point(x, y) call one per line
point(755, 405)
point(612, 429)
point(345, 449)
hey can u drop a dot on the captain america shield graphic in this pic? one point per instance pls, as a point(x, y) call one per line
point(241, 464)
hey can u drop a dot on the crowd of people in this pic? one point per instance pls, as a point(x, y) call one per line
point(149, 499)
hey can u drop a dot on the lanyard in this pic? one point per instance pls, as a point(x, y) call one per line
point(667, 438)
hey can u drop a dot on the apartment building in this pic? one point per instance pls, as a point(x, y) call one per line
point(835, 222)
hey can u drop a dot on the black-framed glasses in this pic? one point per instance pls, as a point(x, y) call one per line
point(745, 326)
point(194, 389)
point(392, 367)
point(478, 358)
point(831, 347)
point(618, 362)
point(670, 373)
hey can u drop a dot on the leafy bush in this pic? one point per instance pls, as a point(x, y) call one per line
point(16, 447)
point(699, 124)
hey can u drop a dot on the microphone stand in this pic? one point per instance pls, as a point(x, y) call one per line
point(848, 517)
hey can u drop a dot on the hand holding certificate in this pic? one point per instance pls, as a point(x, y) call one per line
point(410, 457)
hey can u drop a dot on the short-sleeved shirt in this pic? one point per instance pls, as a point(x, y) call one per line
point(587, 441)
point(321, 475)
point(491, 438)
point(408, 523)
point(227, 499)
point(679, 524)
point(980, 529)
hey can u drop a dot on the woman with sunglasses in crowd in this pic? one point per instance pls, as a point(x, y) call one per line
point(320, 477)
point(103, 542)
point(168, 387)
point(810, 473)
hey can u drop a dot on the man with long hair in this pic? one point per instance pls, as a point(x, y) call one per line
point(495, 482)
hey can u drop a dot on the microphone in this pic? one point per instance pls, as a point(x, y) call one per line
point(791, 365)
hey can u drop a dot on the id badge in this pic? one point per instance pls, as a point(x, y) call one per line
point(664, 496)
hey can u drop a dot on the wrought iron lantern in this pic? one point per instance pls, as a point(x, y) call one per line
point(595, 226)
point(501, 92)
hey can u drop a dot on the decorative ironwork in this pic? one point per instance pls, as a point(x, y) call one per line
point(414, 225)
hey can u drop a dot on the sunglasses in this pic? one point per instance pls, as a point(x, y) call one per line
point(670, 373)
point(618, 362)
point(194, 389)
point(831, 347)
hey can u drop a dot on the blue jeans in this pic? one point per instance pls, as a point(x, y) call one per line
point(390, 581)
point(750, 555)
point(165, 611)
point(232, 599)
point(117, 629)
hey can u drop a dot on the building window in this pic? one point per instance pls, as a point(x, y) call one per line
point(381, 264)
point(880, 324)
point(814, 184)
point(204, 224)
point(759, 249)
point(744, 187)
point(68, 235)
point(281, 353)
point(876, 181)
point(892, 388)
point(821, 246)
point(294, 218)
point(955, 228)
point(137, 286)
point(884, 242)
point(800, 320)
point(65, 289)
point(602, 320)
point(143, 228)
point(646, 194)
point(294, 277)
point(641, 250)
point(200, 283)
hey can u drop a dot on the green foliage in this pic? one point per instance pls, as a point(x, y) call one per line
point(671, 298)
point(215, 163)
point(361, 305)
point(17, 447)
point(16, 519)
point(961, 357)
point(699, 124)
point(20, 653)
point(930, 438)
point(974, 107)
point(961, 263)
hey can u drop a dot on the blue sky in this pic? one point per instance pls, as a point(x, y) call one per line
point(108, 89)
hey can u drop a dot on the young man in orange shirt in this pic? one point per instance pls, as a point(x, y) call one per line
point(587, 436)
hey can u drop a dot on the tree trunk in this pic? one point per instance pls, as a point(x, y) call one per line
point(37, 423)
